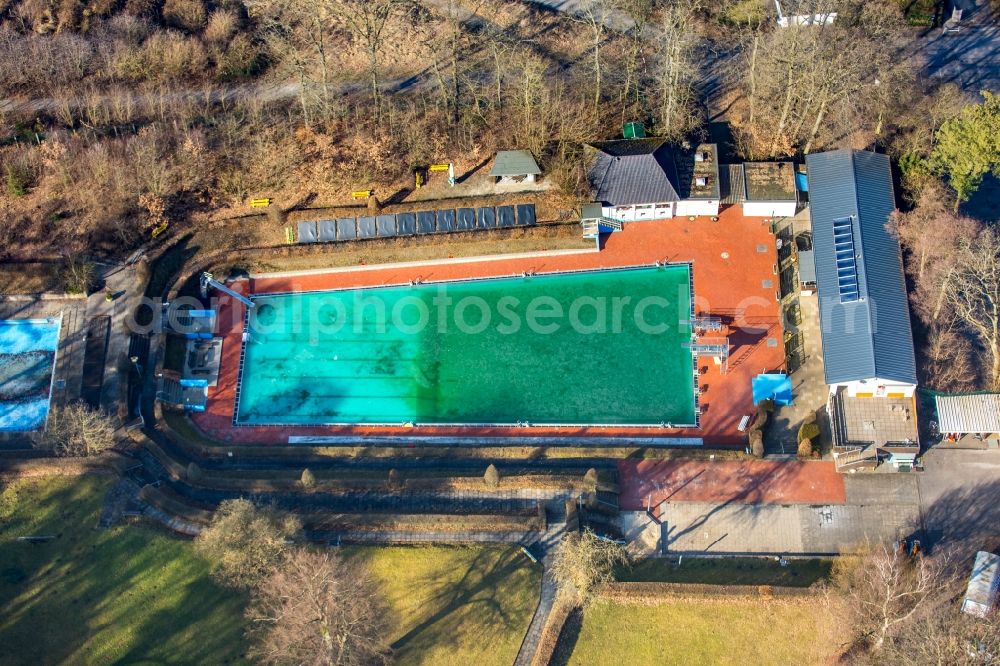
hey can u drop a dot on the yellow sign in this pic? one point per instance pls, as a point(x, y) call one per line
point(440, 167)
point(160, 229)
point(361, 194)
point(260, 203)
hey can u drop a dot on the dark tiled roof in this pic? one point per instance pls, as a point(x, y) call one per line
point(869, 337)
point(634, 171)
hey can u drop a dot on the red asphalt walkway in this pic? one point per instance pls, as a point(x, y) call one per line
point(747, 482)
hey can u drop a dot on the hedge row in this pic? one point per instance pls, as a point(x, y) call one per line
point(290, 480)
point(549, 640)
point(109, 462)
point(651, 593)
point(383, 522)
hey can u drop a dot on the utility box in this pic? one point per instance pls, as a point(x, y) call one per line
point(633, 130)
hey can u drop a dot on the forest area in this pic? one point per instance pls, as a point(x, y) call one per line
point(119, 116)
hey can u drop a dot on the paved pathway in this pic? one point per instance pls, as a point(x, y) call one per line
point(546, 599)
point(121, 282)
point(969, 58)
point(881, 507)
point(960, 495)
point(117, 501)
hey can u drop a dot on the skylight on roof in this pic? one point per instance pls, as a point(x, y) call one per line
point(847, 263)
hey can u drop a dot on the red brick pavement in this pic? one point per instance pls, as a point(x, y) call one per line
point(750, 482)
point(731, 258)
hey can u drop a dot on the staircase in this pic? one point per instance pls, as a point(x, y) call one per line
point(594, 227)
point(856, 457)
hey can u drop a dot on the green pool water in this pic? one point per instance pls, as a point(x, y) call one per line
point(476, 352)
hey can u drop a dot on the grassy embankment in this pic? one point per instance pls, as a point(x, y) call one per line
point(137, 594)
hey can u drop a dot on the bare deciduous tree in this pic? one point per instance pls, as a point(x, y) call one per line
point(368, 20)
point(809, 85)
point(77, 430)
point(973, 293)
point(582, 562)
point(244, 542)
point(319, 609)
point(594, 14)
point(884, 589)
point(677, 69)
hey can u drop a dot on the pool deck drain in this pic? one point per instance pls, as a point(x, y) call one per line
point(727, 274)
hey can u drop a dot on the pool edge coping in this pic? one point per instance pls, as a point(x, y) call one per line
point(520, 424)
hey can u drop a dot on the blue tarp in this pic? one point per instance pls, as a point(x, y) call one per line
point(801, 182)
point(775, 387)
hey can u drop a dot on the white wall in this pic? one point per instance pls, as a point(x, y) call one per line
point(768, 208)
point(876, 388)
point(697, 207)
point(658, 211)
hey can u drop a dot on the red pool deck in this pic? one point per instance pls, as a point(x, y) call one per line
point(732, 260)
point(747, 482)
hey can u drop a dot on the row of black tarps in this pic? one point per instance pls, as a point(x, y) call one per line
point(416, 224)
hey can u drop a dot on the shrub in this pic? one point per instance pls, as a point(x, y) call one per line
point(757, 443)
point(222, 25)
point(591, 478)
point(244, 543)
point(241, 59)
point(394, 482)
point(18, 180)
point(308, 479)
point(78, 276)
point(808, 432)
point(492, 477)
point(187, 15)
point(805, 448)
point(193, 472)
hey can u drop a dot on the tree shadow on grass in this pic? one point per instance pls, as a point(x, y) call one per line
point(568, 637)
point(480, 608)
point(125, 594)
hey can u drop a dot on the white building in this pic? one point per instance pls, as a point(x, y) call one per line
point(769, 189)
point(645, 179)
point(863, 305)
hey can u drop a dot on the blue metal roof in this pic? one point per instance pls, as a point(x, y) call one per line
point(863, 307)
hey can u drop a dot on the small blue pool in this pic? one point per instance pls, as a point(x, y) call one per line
point(27, 357)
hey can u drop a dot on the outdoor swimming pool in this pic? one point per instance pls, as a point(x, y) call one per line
point(588, 348)
point(27, 355)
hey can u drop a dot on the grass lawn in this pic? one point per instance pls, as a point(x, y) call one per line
point(133, 594)
point(455, 605)
point(728, 571)
point(708, 631)
point(128, 594)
